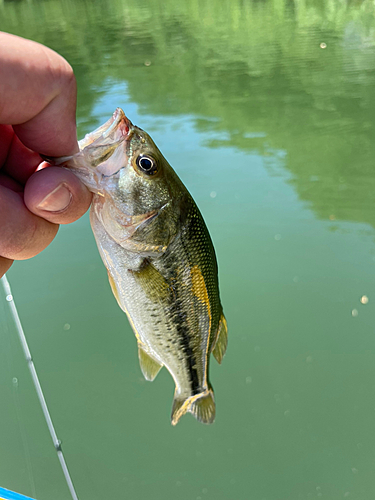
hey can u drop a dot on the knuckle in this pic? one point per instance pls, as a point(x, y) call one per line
point(60, 73)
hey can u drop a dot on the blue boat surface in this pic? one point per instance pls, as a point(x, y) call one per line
point(11, 495)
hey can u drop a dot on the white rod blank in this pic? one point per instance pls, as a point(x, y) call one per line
point(21, 334)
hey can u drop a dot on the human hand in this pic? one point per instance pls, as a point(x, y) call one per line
point(37, 115)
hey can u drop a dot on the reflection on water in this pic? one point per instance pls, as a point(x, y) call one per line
point(292, 76)
point(267, 112)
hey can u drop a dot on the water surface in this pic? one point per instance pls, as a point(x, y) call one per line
point(266, 110)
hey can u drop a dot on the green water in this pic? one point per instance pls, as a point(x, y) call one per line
point(266, 110)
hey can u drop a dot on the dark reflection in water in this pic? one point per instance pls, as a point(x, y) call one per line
point(295, 76)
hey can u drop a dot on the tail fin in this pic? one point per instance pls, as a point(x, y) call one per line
point(202, 406)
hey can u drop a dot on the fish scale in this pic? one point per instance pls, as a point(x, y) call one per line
point(159, 256)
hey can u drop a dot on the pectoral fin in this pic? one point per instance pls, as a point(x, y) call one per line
point(152, 282)
point(221, 340)
point(150, 368)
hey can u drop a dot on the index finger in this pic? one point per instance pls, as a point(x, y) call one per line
point(37, 96)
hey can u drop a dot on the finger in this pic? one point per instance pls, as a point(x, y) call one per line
point(6, 134)
point(4, 265)
point(10, 183)
point(21, 162)
point(37, 96)
point(57, 195)
point(23, 234)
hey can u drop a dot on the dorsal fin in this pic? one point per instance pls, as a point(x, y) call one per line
point(221, 340)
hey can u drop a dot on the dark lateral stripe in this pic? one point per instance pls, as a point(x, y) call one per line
point(183, 335)
point(192, 225)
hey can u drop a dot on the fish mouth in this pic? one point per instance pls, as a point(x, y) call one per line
point(102, 153)
point(113, 131)
point(99, 143)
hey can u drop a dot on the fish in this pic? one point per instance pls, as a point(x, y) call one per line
point(159, 257)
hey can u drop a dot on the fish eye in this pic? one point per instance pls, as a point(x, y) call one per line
point(147, 164)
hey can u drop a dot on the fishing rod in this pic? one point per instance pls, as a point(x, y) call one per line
point(21, 335)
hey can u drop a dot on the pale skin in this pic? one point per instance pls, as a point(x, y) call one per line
point(37, 115)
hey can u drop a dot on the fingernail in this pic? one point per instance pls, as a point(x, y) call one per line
point(59, 199)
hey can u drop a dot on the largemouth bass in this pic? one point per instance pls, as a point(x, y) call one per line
point(159, 256)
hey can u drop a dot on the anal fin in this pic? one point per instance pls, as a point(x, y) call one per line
point(150, 368)
point(114, 288)
point(221, 340)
